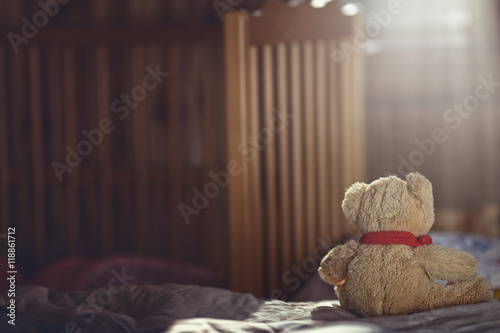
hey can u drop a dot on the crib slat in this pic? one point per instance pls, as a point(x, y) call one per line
point(89, 232)
point(140, 154)
point(321, 132)
point(209, 122)
point(173, 129)
point(55, 112)
point(37, 153)
point(20, 189)
point(297, 151)
point(310, 146)
point(236, 41)
point(254, 158)
point(192, 139)
point(157, 187)
point(268, 140)
point(139, 132)
point(4, 162)
point(334, 142)
point(221, 156)
point(105, 172)
point(69, 89)
point(283, 132)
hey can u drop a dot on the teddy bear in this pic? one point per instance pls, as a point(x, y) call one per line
point(394, 268)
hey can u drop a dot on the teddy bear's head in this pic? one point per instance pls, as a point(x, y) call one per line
point(391, 204)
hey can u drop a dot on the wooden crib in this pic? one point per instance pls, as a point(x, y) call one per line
point(295, 138)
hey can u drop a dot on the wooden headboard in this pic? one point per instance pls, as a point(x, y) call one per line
point(295, 138)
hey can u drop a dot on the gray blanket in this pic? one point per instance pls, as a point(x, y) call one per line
point(182, 308)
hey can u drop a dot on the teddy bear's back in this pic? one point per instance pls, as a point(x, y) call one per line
point(385, 280)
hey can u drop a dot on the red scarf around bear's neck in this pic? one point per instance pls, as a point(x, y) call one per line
point(395, 237)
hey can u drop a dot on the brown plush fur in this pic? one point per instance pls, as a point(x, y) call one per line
point(377, 280)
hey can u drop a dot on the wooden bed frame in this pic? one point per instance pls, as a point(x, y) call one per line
point(285, 195)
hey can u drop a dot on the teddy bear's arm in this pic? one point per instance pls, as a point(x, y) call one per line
point(441, 263)
point(333, 268)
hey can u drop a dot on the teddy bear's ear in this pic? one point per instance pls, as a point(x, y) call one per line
point(352, 201)
point(418, 185)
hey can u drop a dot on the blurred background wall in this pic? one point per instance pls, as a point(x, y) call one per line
point(124, 196)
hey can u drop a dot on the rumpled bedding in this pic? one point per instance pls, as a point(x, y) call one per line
point(485, 249)
point(184, 308)
point(120, 307)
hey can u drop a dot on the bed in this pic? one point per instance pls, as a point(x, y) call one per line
point(121, 306)
point(187, 308)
